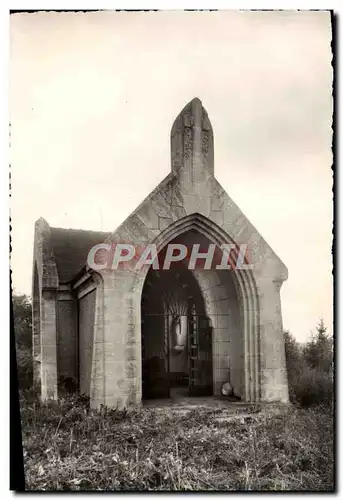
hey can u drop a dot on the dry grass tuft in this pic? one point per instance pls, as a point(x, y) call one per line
point(67, 446)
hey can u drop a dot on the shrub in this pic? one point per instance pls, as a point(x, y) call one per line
point(309, 367)
point(22, 317)
point(24, 367)
point(311, 386)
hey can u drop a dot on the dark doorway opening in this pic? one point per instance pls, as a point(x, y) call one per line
point(176, 336)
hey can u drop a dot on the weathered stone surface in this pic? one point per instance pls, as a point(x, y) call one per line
point(163, 223)
point(67, 341)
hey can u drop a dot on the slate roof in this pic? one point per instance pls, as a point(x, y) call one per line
point(71, 247)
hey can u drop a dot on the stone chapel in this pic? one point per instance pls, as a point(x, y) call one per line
point(122, 337)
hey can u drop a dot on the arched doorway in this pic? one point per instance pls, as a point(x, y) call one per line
point(176, 336)
point(232, 309)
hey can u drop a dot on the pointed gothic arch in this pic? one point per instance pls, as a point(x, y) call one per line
point(245, 286)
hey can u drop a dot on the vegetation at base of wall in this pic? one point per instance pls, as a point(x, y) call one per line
point(67, 446)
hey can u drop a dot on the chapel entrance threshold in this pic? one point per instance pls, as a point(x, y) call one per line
point(215, 402)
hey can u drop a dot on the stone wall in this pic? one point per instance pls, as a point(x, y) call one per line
point(86, 340)
point(48, 345)
point(44, 292)
point(67, 342)
point(223, 309)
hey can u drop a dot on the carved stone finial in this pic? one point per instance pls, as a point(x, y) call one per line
point(192, 143)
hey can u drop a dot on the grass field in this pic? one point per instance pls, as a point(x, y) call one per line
point(69, 447)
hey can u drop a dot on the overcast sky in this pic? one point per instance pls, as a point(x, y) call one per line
point(92, 100)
